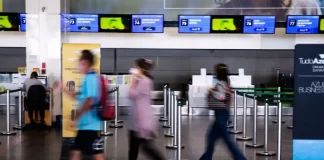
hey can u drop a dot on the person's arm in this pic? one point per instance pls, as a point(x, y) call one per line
point(220, 92)
point(71, 94)
point(92, 93)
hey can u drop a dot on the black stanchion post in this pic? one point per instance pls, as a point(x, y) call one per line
point(19, 124)
point(165, 99)
point(172, 108)
point(235, 131)
point(244, 137)
point(8, 132)
point(254, 144)
point(168, 123)
point(116, 125)
point(266, 152)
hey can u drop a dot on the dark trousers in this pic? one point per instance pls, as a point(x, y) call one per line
point(147, 146)
point(219, 130)
point(41, 112)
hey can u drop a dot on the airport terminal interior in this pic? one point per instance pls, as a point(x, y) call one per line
point(271, 53)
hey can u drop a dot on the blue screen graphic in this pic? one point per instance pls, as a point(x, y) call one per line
point(79, 23)
point(302, 24)
point(308, 149)
point(259, 24)
point(194, 24)
point(147, 23)
point(23, 22)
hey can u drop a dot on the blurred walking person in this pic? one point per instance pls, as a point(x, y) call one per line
point(219, 101)
point(143, 127)
point(87, 119)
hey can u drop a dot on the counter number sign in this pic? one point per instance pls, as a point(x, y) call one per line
point(292, 22)
point(72, 21)
point(24, 20)
point(184, 22)
point(249, 22)
point(137, 21)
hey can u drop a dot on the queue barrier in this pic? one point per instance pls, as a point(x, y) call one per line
point(116, 121)
point(104, 131)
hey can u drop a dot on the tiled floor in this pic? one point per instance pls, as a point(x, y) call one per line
point(46, 145)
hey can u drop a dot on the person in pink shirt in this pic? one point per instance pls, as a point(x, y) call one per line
point(143, 124)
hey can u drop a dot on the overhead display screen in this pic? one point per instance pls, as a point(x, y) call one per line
point(259, 24)
point(115, 23)
point(147, 23)
point(194, 24)
point(23, 22)
point(321, 25)
point(9, 22)
point(79, 23)
point(226, 24)
point(302, 25)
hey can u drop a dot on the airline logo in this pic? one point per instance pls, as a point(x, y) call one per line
point(319, 60)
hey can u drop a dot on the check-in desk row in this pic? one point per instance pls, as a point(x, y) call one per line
point(198, 104)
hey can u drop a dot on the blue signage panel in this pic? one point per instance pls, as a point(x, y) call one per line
point(79, 23)
point(23, 22)
point(259, 24)
point(194, 24)
point(147, 23)
point(302, 24)
point(308, 136)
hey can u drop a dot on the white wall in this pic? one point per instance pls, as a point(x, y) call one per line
point(172, 40)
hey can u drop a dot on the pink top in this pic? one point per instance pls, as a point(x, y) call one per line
point(144, 122)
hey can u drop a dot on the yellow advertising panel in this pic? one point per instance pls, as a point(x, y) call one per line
point(72, 79)
point(1, 5)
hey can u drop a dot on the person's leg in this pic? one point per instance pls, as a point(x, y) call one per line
point(211, 138)
point(134, 144)
point(150, 149)
point(42, 116)
point(30, 115)
point(94, 145)
point(223, 119)
point(75, 153)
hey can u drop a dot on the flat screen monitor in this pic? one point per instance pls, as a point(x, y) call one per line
point(79, 23)
point(115, 23)
point(321, 25)
point(302, 25)
point(194, 24)
point(43, 79)
point(9, 21)
point(226, 24)
point(148, 23)
point(259, 24)
point(23, 22)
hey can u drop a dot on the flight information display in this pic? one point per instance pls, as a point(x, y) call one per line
point(9, 21)
point(115, 23)
point(147, 23)
point(79, 23)
point(226, 24)
point(259, 24)
point(23, 22)
point(302, 25)
point(194, 24)
point(321, 25)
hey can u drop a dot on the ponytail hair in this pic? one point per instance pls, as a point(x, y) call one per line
point(146, 66)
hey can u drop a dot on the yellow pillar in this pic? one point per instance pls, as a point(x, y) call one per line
point(1, 5)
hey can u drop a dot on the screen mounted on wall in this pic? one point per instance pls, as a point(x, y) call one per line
point(22, 19)
point(259, 24)
point(321, 25)
point(194, 24)
point(9, 22)
point(115, 23)
point(148, 23)
point(226, 24)
point(303, 24)
point(79, 23)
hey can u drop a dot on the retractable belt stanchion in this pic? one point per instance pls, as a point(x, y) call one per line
point(8, 132)
point(168, 123)
point(279, 128)
point(179, 142)
point(177, 127)
point(254, 144)
point(172, 117)
point(104, 131)
point(116, 125)
point(266, 152)
point(165, 112)
point(235, 131)
point(244, 137)
point(19, 124)
point(278, 96)
point(290, 127)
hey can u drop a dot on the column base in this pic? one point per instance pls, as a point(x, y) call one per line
point(18, 128)
point(235, 132)
point(276, 121)
point(251, 145)
point(168, 135)
point(230, 126)
point(166, 126)
point(116, 126)
point(269, 153)
point(10, 133)
point(244, 138)
point(106, 134)
point(173, 147)
point(163, 119)
point(290, 127)
point(118, 121)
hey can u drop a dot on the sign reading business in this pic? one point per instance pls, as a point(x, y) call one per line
point(308, 135)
